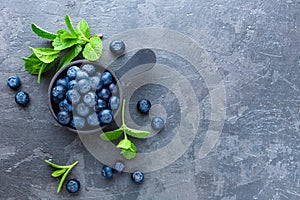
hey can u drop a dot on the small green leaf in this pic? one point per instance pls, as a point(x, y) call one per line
point(69, 24)
point(93, 50)
point(128, 154)
point(68, 57)
point(132, 148)
point(42, 33)
point(47, 55)
point(136, 133)
point(83, 30)
point(124, 144)
point(64, 40)
point(58, 172)
point(112, 135)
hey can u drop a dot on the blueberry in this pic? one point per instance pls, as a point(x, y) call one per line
point(106, 78)
point(113, 88)
point(143, 105)
point(104, 94)
point(73, 96)
point(72, 72)
point(64, 117)
point(100, 105)
point(96, 83)
point(56, 100)
point(82, 109)
point(77, 122)
point(65, 106)
point(72, 84)
point(117, 47)
point(14, 82)
point(81, 75)
point(73, 185)
point(106, 116)
point(83, 86)
point(59, 92)
point(93, 120)
point(157, 123)
point(22, 98)
point(88, 68)
point(114, 102)
point(90, 99)
point(119, 167)
point(107, 172)
point(137, 177)
point(63, 81)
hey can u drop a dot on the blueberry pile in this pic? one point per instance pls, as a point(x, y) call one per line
point(85, 98)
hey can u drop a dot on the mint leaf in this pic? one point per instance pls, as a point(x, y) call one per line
point(58, 172)
point(124, 144)
point(46, 55)
point(112, 135)
point(93, 50)
point(136, 133)
point(68, 57)
point(82, 29)
point(42, 33)
point(128, 154)
point(69, 24)
point(64, 40)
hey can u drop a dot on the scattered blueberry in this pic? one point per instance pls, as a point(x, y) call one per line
point(117, 47)
point(104, 94)
point(72, 72)
point(114, 102)
point(77, 122)
point(73, 185)
point(119, 167)
point(64, 117)
point(22, 98)
point(105, 116)
point(59, 92)
point(88, 68)
point(65, 106)
point(63, 81)
point(93, 120)
point(82, 109)
point(81, 75)
point(73, 96)
point(96, 83)
point(137, 177)
point(107, 172)
point(143, 105)
point(72, 84)
point(83, 86)
point(113, 88)
point(14, 82)
point(106, 78)
point(157, 123)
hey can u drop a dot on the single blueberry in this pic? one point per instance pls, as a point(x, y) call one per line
point(107, 172)
point(106, 116)
point(114, 102)
point(64, 117)
point(77, 122)
point(65, 106)
point(14, 82)
point(104, 94)
point(82, 109)
point(137, 177)
point(101, 104)
point(73, 96)
point(59, 92)
point(113, 88)
point(63, 81)
point(72, 84)
point(83, 86)
point(119, 167)
point(73, 186)
point(143, 105)
point(117, 47)
point(157, 123)
point(22, 98)
point(90, 99)
point(81, 75)
point(93, 120)
point(96, 83)
point(72, 72)
point(89, 68)
point(56, 100)
point(106, 78)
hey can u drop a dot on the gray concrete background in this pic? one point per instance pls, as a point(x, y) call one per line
point(255, 45)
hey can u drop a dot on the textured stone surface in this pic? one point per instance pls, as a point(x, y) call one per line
point(255, 46)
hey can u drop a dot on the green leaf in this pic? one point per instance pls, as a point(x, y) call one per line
point(42, 33)
point(64, 40)
point(58, 172)
point(47, 55)
point(69, 24)
point(136, 133)
point(112, 135)
point(93, 50)
point(124, 144)
point(129, 153)
point(66, 59)
point(83, 30)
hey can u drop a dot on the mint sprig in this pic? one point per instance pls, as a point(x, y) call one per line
point(61, 170)
point(128, 148)
point(66, 45)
